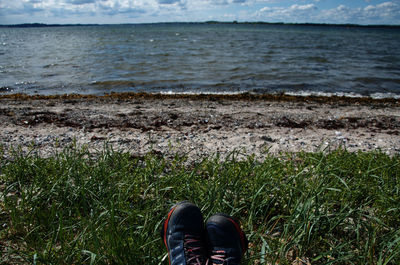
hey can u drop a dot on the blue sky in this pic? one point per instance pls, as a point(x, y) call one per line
point(144, 11)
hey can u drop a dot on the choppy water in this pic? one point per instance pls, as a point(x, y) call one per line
point(200, 58)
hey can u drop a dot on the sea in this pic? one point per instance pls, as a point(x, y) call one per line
point(196, 58)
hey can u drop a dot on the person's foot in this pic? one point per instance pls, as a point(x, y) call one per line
point(183, 235)
point(227, 243)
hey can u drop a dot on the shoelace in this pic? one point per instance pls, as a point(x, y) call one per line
point(217, 257)
point(194, 250)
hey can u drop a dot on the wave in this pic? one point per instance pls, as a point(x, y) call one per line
point(298, 94)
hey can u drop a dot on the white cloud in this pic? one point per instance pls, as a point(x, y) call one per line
point(222, 2)
point(384, 13)
point(66, 8)
point(387, 5)
point(265, 9)
point(80, 2)
point(303, 7)
point(293, 13)
point(194, 10)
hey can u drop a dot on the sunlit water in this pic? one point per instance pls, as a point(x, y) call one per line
point(200, 58)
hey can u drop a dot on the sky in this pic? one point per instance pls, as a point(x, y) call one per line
point(151, 11)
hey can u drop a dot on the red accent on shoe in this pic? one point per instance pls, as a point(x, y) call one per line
point(165, 231)
point(240, 231)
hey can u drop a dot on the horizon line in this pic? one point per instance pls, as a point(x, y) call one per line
point(34, 24)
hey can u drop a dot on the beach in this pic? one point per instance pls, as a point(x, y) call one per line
point(236, 154)
point(199, 126)
point(292, 129)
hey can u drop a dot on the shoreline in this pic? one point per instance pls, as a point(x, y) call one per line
point(214, 22)
point(199, 125)
point(333, 99)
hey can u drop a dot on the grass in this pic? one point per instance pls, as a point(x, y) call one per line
point(76, 207)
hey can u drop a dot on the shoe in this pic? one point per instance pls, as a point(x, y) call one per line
point(227, 243)
point(183, 234)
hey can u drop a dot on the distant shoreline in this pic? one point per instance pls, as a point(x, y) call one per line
point(41, 25)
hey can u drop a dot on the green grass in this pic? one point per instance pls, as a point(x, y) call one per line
point(107, 207)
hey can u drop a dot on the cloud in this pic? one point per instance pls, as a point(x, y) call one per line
point(21, 7)
point(80, 2)
point(303, 7)
point(265, 9)
point(384, 13)
point(168, 2)
point(53, 11)
point(225, 2)
point(218, 2)
point(370, 12)
point(175, 4)
point(387, 5)
point(120, 7)
point(290, 9)
point(293, 13)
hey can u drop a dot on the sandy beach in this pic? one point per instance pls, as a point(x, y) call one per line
point(199, 126)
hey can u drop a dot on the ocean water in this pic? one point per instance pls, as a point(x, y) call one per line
point(201, 58)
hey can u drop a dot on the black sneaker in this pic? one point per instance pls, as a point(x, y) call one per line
point(226, 241)
point(183, 235)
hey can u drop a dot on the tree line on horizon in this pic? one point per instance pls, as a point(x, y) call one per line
point(38, 25)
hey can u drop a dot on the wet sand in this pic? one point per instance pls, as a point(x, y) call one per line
point(199, 126)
